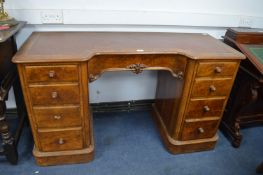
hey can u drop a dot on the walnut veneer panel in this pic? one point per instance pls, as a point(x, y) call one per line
point(56, 117)
point(216, 69)
point(199, 108)
point(53, 73)
point(55, 94)
point(61, 140)
point(211, 87)
point(174, 63)
point(199, 129)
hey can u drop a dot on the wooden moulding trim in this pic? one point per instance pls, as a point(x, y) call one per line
point(18, 58)
point(185, 96)
point(177, 142)
point(27, 99)
point(178, 74)
point(38, 153)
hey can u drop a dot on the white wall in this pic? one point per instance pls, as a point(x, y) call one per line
point(151, 12)
point(203, 16)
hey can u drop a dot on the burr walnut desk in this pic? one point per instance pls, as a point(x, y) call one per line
point(195, 76)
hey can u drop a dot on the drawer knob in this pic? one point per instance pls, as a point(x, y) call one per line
point(57, 117)
point(61, 141)
point(212, 88)
point(54, 95)
point(218, 69)
point(206, 109)
point(201, 130)
point(51, 74)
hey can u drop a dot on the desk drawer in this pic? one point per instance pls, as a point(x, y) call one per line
point(205, 108)
point(55, 94)
point(216, 69)
point(211, 87)
point(199, 129)
point(57, 117)
point(60, 73)
point(61, 140)
point(136, 63)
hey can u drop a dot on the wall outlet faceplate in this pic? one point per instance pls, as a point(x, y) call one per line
point(52, 17)
point(245, 22)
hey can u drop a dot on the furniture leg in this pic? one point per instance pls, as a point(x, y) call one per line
point(260, 168)
point(20, 106)
point(8, 141)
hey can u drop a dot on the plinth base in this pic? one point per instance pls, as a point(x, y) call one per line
point(178, 147)
point(63, 157)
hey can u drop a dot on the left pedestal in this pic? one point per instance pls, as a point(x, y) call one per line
point(57, 105)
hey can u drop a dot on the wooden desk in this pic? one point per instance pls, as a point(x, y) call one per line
point(196, 73)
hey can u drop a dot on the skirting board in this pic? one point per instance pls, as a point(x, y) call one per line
point(133, 105)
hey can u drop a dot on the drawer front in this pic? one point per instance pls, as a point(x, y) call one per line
point(216, 69)
point(211, 87)
point(61, 140)
point(205, 108)
point(61, 73)
point(55, 94)
point(199, 129)
point(136, 63)
point(57, 117)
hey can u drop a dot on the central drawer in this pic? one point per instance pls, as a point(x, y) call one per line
point(55, 94)
point(61, 140)
point(57, 117)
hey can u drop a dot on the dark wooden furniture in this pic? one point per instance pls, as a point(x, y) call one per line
point(195, 76)
point(8, 78)
point(260, 168)
point(245, 105)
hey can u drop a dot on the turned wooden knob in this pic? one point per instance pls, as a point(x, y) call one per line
point(51, 74)
point(54, 95)
point(57, 117)
point(206, 109)
point(61, 141)
point(212, 88)
point(218, 69)
point(201, 130)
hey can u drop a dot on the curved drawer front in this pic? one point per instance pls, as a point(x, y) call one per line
point(205, 108)
point(216, 69)
point(55, 117)
point(211, 87)
point(199, 129)
point(137, 63)
point(61, 140)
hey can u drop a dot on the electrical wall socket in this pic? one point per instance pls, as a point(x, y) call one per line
point(245, 22)
point(52, 17)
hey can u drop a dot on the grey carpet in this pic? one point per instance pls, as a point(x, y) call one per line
point(129, 144)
